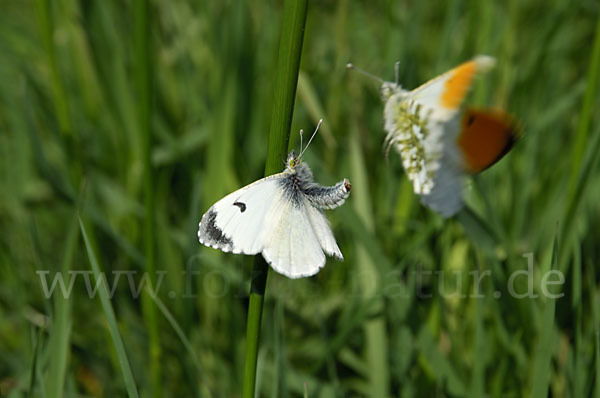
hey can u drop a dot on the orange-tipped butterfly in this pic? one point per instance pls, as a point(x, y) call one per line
point(437, 147)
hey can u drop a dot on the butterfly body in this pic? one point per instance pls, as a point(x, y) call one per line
point(279, 216)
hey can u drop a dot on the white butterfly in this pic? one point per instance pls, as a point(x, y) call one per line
point(437, 150)
point(280, 216)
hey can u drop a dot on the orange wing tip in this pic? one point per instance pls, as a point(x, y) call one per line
point(461, 78)
point(485, 137)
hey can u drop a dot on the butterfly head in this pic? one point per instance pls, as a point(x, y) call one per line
point(293, 159)
point(388, 89)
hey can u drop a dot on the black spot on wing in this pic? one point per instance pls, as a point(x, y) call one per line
point(241, 205)
point(470, 120)
point(510, 143)
point(211, 233)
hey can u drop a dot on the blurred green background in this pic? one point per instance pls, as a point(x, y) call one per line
point(84, 110)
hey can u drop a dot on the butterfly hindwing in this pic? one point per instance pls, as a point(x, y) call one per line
point(323, 232)
point(446, 195)
point(292, 247)
point(475, 142)
point(485, 137)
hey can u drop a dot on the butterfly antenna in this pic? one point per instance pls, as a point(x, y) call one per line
point(364, 72)
point(397, 72)
point(301, 134)
point(311, 138)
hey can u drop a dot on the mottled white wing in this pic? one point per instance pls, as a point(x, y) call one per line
point(238, 222)
point(445, 197)
point(293, 247)
point(416, 137)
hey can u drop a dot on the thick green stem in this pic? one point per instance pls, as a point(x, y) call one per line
point(288, 65)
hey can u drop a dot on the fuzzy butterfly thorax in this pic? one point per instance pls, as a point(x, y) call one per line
point(300, 185)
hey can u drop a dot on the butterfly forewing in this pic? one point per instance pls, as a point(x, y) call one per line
point(236, 223)
point(443, 95)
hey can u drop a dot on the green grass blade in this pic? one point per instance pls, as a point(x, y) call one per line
point(376, 339)
point(579, 374)
point(144, 92)
point(585, 117)
point(597, 361)
point(545, 346)
point(452, 15)
point(476, 388)
point(34, 371)
point(344, 331)
point(61, 326)
point(204, 392)
point(278, 383)
point(573, 206)
point(110, 317)
point(255, 308)
point(477, 229)
point(594, 304)
point(47, 33)
point(582, 166)
point(436, 363)
point(288, 65)
point(309, 97)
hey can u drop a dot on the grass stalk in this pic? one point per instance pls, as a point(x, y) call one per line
point(582, 166)
point(59, 96)
point(111, 319)
point(542, 360)
point(60, 335)
point(144, 91)
point(204, 392)
point(376, 338)
point(288, 66)
point(585, 117)
point(597, 362)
